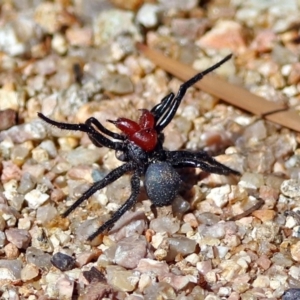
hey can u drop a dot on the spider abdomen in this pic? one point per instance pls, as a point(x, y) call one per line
point(162, 183)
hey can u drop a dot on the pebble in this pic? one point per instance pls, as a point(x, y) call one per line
point(129, 251)
point(65, 287)
point(160, 290)
point(251, 181)
point(38, 258)
point(264, 215)
point(79, 36)
point(29, 272)
point(10, 269)
point(291, 294)
point(63, 262)
point(46, 213)
point(2, 239)
point(218, 38)
point(35, 130)
point(11, 251)
point(165, 224)
point(40, 239)
point(295, 251)
point(122, 279)
point(8, 118)
point(36, 198)
point(290, 188)
point(148, 15)
point(19, 237)
point(178, 5)
point(181, 245)
point(110, 23)
point(118, 84)
point(83, 156)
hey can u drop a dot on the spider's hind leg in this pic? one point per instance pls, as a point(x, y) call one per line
point(109, 178)
point(135, 187)
point(201, 159)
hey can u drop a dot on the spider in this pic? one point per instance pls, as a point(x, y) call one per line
point(140, 147)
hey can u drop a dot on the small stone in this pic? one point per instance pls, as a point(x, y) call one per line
point(65, 287)
point(264, 214)
point(130, 251)
point(46, 213)
point(147, 15)
point(10, 269)
point(256, 131)
point(11, 251)
point(29, 272)
point(295, 251)
point(19, 237)
point(38, 258)
point(251, 181)
point(40, 239)
point(181, 245)
point(122, 279)
point(264, 262)
point(27, 183)
point(118, 84)
point(36, 198)
point(261, 281)
point(291, 294)
point(79, 36)
point(290, 188)
point(110, 24)
point(8, 118)
point(94, 275)
point(146, 265)
point(165, 224)
point(178, 4)
point(218, 38)
point(63, 261)
point(59, 43)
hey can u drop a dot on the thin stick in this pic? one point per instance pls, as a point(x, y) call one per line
point(234, 95)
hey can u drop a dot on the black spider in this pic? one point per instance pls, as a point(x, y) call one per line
point(140, 146)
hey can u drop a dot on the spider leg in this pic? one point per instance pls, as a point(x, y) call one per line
point(95, 122)
point(135, 186)
point(159, 109)
point(198, 160)
point(109, 178)
point(96, 137)
point(181, 92)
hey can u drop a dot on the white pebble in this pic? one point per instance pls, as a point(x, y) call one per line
point(36, 198)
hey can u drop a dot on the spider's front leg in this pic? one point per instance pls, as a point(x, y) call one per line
point(135, 187)
point(96, 137)
point(173, 105)
point(198, 160)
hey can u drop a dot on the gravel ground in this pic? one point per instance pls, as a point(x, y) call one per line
point(72, 60)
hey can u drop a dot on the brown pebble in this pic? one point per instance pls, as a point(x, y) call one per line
point(264, 214)
point(8, 118)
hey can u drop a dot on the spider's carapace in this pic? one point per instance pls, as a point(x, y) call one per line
point(143, 133)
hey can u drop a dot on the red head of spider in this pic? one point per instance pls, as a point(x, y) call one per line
point(142, 133)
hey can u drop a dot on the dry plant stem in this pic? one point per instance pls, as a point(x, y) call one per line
point(249, 211)
point(232, 94)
